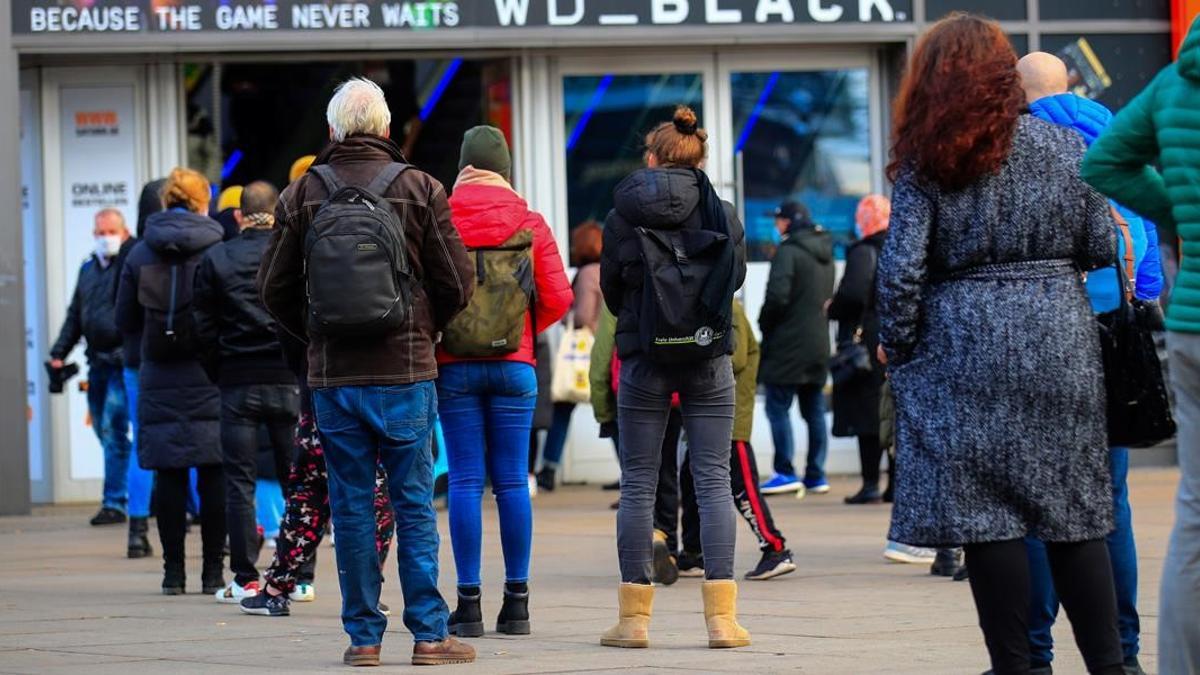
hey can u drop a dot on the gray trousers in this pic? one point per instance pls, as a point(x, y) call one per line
point(644, 402)
point(1179, 611)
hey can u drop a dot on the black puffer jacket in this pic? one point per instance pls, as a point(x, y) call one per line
point(795, 345)
point(238, 340)
point(856, 402)
point(92, 314)
point(179, 408)
point(661, 199)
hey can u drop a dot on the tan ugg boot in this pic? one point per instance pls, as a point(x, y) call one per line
point(633, 628)
point(720, 613)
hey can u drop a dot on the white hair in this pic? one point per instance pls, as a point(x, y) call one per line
point(358, 107)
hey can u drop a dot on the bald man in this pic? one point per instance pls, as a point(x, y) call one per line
point(1044, 78)
point(243, 355)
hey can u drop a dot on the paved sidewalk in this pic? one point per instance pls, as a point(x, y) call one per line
point(71, 603)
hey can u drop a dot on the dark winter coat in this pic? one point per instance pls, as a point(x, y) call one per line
point(179, 408)
point(92, 314)
point(795, 345)
point(238, 340)
point(436, 255)
point(993, 352)
point(662, 199)
point(856, 402)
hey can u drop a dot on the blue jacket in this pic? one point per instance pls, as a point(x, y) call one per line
point(1090, 119)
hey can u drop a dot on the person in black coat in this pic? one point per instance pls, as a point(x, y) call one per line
point(241, 351)
point(91, 316)
point(856, 401)
point(179, 407)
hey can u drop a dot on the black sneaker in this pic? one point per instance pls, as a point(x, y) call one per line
point(108, 516)
point(690, 564)
point(962, 574)
point(545, 479)
point(947, 563)
point(265, 604)
point(1132, 667)
point(773, 564)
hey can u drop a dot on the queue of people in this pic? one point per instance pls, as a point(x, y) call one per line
point(363, 306)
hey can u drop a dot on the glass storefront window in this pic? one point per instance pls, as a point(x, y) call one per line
point(607, 117)
point(250, 121)
point(801, 136)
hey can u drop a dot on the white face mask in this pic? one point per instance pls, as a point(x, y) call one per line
point(108, 245)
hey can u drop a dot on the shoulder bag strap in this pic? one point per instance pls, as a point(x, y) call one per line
point(1123, 227)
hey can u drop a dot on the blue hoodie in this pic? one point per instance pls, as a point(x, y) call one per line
point(1090, 119)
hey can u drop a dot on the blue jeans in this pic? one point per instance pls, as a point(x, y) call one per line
point(812, 409)
point(361, 427)
point(1122, 551)
point(110, 420)
point(556, 438)
point(486, 408)
point(140, 481)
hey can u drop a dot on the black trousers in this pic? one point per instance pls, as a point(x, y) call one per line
point(244, 411)
point(171, 488)
point(1083, 577)
point(870, 452)
point(747, 497)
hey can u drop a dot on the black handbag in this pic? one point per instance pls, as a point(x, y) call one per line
point(1139, 410)
point(852, 360)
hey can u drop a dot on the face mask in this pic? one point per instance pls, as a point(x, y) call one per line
point(108, 246)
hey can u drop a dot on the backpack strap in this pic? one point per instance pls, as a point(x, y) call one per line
point(329, 177)
point(386, 177)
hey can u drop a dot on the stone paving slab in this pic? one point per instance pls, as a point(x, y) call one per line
point(71, 603)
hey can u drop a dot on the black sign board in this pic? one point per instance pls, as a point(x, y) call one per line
point(40, 17)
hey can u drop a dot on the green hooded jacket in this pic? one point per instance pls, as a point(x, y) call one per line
point(745, 373)
point(604, 399)
point(1161, 127)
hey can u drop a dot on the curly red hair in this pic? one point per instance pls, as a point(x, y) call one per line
point(957, 109)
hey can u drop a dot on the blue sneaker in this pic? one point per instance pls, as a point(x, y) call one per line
point(819, 486)
point(780, 484)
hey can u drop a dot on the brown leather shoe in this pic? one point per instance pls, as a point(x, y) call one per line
point(361, 656)
point(444, 653)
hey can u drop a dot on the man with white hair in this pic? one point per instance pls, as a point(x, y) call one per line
point(368, 301)
point(92, 317)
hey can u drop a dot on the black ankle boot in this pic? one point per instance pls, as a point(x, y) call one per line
point(174, 577)
point(545, 479)
point(213, 577)
point(514, 613)
point(467, 619)
point(139, 544)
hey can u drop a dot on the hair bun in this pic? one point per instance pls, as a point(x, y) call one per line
point(685, 121)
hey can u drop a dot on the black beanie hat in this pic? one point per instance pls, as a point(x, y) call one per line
point(484, 148)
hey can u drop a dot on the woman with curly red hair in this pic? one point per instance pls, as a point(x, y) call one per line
point(990, 341)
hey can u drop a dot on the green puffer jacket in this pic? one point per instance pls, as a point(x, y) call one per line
point(604, 399)
point(1161, 127)
point(745, 373)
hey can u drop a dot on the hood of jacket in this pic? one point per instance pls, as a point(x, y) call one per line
point(660, 199)
point(485, 209)
point(1189, 53)
point(816, 240)
point(178, 232)
point(361, 148)
point(1084, 115)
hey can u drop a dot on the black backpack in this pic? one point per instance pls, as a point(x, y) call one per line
point(359, 282)
point(165, 290)
point(687, 290)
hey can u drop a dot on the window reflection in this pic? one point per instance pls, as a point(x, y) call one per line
point(606, 118)
point(802, 136)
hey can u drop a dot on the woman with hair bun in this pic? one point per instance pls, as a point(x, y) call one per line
point(675, 337)
point(991, 346)
point(179, 408)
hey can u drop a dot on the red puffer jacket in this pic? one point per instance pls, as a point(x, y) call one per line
point(486, 212)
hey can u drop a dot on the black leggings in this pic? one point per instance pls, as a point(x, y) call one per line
point(171, 486)
point(1083, 577)
point(869, 454)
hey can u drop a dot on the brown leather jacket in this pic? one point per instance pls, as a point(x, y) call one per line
point(435, 251)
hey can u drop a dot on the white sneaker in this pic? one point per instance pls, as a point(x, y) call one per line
point(533, 489)
point(303, 593)
point(233, 594)
point(913, 555)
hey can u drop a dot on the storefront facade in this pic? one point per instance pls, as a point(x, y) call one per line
point(794, 93)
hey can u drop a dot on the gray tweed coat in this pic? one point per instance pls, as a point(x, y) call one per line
point(993, 351)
